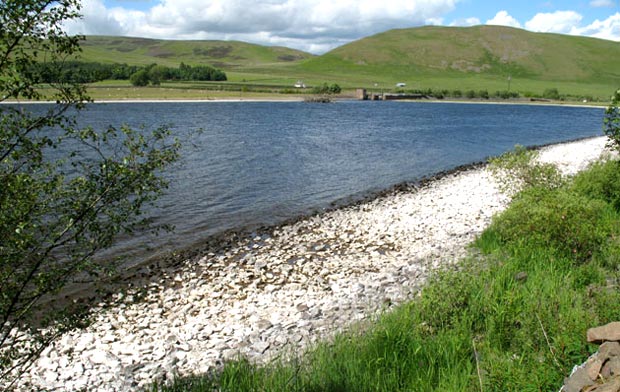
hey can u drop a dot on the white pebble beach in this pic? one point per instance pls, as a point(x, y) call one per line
point(299, 283)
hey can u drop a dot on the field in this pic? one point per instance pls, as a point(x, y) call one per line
point(478, 58)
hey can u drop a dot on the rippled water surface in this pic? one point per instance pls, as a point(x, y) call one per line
point(259, 163)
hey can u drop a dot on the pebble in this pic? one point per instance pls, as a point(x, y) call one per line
point(265, 293)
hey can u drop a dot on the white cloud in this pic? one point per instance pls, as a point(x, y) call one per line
point(503, 18)
point(313, 25)
point(563, 22)
point(466, 22)
point(602, 3)
point(606, 29)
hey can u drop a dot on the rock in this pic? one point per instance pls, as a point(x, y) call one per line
point(608, 350)
point(261, 347)
point(611, 368)
point(605, 333)
point(593, 367)
point(577, 381)
point(612, 385)
point(47, 364)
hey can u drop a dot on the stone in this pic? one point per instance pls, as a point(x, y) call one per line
point(608, 350)
point(47, 364)
point(611, 368)
point(577, 381)
point(593, 367)
point(261, 347)
point(612, 385)
point(254, 300)
point(606, 333)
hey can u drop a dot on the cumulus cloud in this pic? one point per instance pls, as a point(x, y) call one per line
point(602, 3)
point(606, 29)
point(503, 18)
point(313, 25)
point(563, 22)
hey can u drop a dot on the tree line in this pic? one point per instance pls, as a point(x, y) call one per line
point(90, 72)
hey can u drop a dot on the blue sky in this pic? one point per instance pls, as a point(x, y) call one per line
point(525, 10)
point(320, 25)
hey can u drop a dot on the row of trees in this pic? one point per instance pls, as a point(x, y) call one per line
point(155, 74)
point(549, 93)
point(471, 94)
point(90, 72)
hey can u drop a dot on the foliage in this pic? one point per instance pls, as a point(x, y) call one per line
point(155, 74)
point(519, 169)
point(140, 78)
point(601, 181)
point(325, 89)
point(551, 93)
point(66, 193)
point(82, 72)
point(72, 71)
point(611, 121)
point(573, 224)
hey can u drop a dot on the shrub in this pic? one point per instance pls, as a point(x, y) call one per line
point(140, 78)
point(484, 94)
point(326, 89)
point(551, 93)
point(601, 181)
point(571, 224)
point(518, 169)
point(471, 94)
point(457, 93)
point(611, 121)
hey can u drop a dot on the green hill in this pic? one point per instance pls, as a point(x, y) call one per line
point(494, 58)
point(221, 54)
point(465, 57)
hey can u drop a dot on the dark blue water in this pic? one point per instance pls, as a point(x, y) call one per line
point(262, 163)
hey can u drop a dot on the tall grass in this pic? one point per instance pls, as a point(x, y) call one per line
point(512, 319)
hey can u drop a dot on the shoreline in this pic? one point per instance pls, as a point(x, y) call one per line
point(336, 99)
point(225, 239)
point(304, 281)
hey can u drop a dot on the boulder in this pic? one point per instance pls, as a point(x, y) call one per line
point(605, 333)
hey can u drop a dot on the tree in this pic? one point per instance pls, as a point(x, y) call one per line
point(57, 213)
point(551, 93)
point(611, 121)
point(140, 78)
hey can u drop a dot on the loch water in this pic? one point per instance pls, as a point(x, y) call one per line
point(261, 163)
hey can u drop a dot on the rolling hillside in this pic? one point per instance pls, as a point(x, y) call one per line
point(464, 58)
point(479, 50)
point(221, 54)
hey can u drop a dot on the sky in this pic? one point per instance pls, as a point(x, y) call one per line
point(317, 26)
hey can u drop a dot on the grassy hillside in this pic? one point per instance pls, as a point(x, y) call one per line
point(491, 50)
point(453, 57)
point(450, 58)
point(222, 54)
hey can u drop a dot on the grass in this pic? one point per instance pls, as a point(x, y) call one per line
point(512, 319)
point(473, 58)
